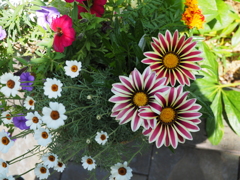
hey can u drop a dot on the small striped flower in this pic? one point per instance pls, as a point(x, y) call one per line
point(173, 57)
point(175, 118)
point(133, 92)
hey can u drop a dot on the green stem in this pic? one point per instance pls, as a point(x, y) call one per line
point(134, 155)
point(24, 173)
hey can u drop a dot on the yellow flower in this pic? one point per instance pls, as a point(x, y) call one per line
point(193, 17)
point(191, 3)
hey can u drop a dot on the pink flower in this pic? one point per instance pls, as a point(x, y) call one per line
point(96, 8)
point(65, 34)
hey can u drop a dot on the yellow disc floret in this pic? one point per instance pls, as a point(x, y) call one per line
point(171, 61)
point(168, 115)
point(140, 99)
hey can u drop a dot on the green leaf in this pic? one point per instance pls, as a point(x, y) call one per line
point(75, 11)
point(216, 136)
point(47, 42)
point(138, 30)
point(38, 2)
point(231, 99)
point(21, 60)
point(39, 60)
point(59, 55)
point(229, 29)
point(209, 9)
point(236, 38)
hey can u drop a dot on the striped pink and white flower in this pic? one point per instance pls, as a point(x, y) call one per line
point(173, 57)
point(175, 117)
point(133, 92)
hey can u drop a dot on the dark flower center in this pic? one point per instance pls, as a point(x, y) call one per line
point(103, 137)
point(168, 116)
point(74, 68)
point(10, 84)
point(140, 99)
point(4, 164)
point(171, 60)
point(59, 31)
point(51, 158)
point(122, 171)
point(60, 164)
point(5, 140)
point(35, 119)
point(54, 87)
point(43, 170)
point(30, 102)
point(8, 116)
point(89, 161)
point(44, 135)
point(54, 115)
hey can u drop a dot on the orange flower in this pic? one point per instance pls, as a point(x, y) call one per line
point(193, 16)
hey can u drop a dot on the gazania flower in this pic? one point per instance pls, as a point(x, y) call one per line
point(96, 8)
point(121, 171)
point(41, 171)
point(173, 58)
point(26, 76)
point(5, 177)
point(88, 163)
point(65, 34)
point(34, 120)
point(42, 136)
point(5, 116)
point(60, 166)
point(3, 167)
point(50, 160)
point(3, 33)
point(72, 69)
point(20, 122)
point(133, 92)
point(52, 88)
point(29, 103)
point(101, 137)
point(5, 142)
point(12, 84)
point(175, 118)
point(54, 116)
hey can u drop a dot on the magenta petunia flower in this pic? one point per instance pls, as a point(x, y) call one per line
point(133, 92)
point(20, 122)
point(173, 57)
point(175, 117)
point(3, 33)
point(26, 76)
point(65, 34)
point(96, 8)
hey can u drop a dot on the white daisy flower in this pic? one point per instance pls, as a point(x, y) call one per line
point(121, 171)
point(88, 163)
point(5, 117)
point(101, 137)
point(5, 142)
point(3, 167)
point(54, 116)
point(41, 171)
point(50, 160)
point(5, 177)
point(72, 69)
point(60, 166)
point(52, 88)
point(34, 120)
point(42, 136)
point(29, 103)
point(112, 178)
point(12, 84)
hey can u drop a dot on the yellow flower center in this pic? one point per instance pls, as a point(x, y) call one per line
point(8, 116)
point(30, 102)
point(43, 170)
point(122, 171)
point(74, 68)
point(44, 135)
point(54, 115)
point(35, 119)
point(4, 164)
point(51, 158)
point(10, 84)
point(171, 60)
point(5, 140)
point(89, 161)
point(140, 99)
point(103, 137)
point(54, 87)
point(168, 115)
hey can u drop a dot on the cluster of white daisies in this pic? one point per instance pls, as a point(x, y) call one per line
point(52, 117)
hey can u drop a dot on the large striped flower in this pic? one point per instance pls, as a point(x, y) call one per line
point(133, 92)
point(175, 117)
point(173, 57)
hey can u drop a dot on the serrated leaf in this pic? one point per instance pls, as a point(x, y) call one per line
point(232, 98)
point(216, 136)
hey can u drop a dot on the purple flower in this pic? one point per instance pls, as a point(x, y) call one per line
point(46, 15)
point(3, 33)
point(26, 76)
point(20, 122)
